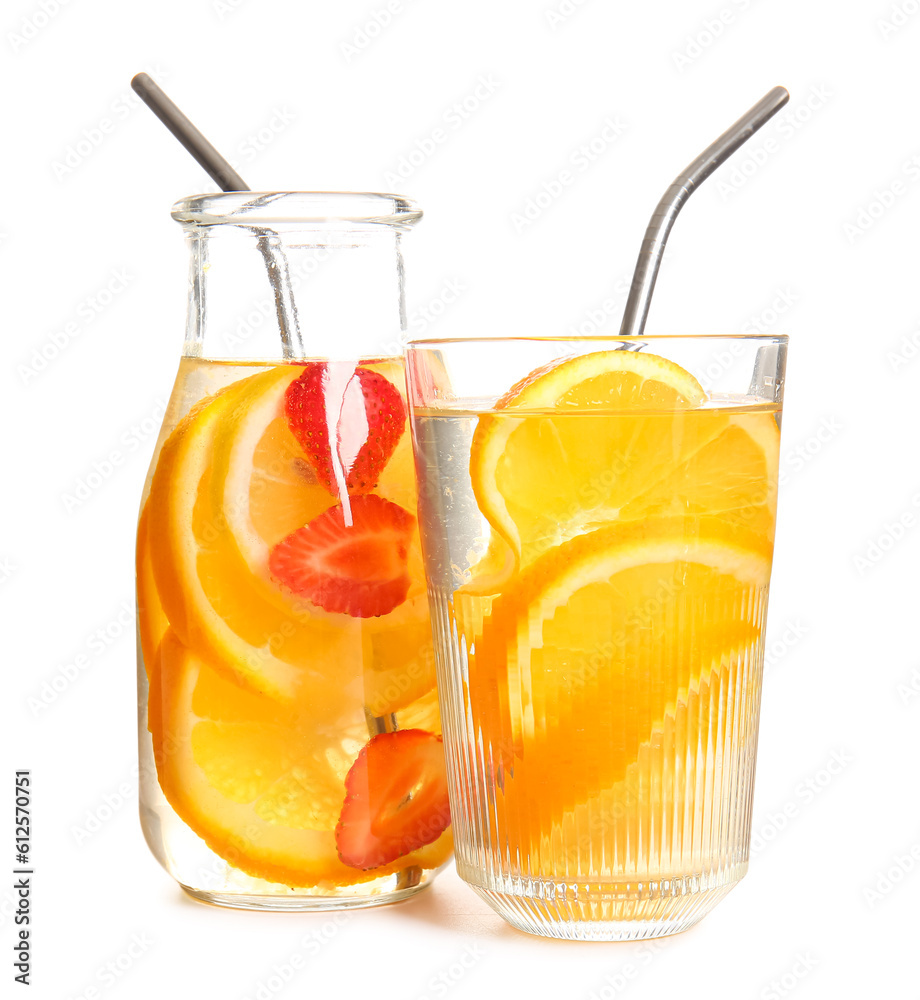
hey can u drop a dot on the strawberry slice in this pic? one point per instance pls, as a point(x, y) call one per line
point(395, 799)
point(358, 569)
point(361, 409)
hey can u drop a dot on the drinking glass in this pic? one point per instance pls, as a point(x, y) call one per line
point(289, 730)
point(597, 519)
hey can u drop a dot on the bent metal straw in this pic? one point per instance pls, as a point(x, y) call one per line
point(220, 171)
point(674, 199)
point(224, 175)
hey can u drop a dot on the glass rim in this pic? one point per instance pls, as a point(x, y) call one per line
point(314, 208)
point(429, 342)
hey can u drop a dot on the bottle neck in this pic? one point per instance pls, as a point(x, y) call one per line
point(286, 292)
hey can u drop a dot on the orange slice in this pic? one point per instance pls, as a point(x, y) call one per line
point(261, 783)
point(617, 435)
point(399, 662)
point(268, 488)
point(151, 619)
point(265, 489)
point(598, 642)
point(231, 482)
point(213, 601)
point(607, 835)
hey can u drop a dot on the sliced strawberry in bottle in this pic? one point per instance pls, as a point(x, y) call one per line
point(395, 799)
point(364, 410)
point(358, 568)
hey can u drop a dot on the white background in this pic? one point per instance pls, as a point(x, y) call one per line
point(821, 223)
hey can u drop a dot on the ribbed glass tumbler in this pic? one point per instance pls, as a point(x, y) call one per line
point(598, 541)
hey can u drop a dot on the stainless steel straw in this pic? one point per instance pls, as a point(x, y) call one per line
point(228, 179)
point(673, 200)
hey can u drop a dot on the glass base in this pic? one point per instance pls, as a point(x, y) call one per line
point(622, 912)
point(252, 901)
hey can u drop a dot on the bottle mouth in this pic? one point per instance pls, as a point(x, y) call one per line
point(333, 209)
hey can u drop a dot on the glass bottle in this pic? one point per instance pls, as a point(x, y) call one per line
point(289, 731)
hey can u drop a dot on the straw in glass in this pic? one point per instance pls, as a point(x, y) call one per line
point(674, 199)
point(228, 179)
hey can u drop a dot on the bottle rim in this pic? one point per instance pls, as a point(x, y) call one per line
point(333, 209)
point(630, 342)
